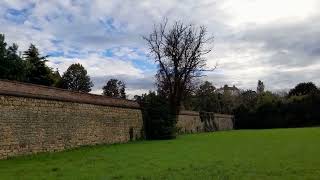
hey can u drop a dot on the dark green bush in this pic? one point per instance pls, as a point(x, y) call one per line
point(271, 111)
point(158, 123)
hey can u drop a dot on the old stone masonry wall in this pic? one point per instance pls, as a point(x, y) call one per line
point(192, 121)
point(189, 122)
point(38, 119)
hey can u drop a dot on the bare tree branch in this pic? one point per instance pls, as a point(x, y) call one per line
point(179, 52)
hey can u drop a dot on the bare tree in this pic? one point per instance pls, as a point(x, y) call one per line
point(179, 52)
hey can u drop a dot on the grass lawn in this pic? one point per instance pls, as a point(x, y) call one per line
point(246, 154)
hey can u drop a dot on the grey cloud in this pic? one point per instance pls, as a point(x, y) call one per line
point(282, 80)
point(275, 46)
point(295, 43)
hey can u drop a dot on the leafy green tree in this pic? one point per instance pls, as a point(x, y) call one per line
point(267, 97)
point(37, 70)
point(227, 102)
point(115, 88)
point(303, 89)
point(248, 98)
point(76, 79)
point(206, 88)
point(207, 98)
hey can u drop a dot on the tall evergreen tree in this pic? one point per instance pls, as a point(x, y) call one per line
point(57, 79)
point(3, 58)
point(260, 87)
point(3, 45)
point(76, 79)
point(12, 67)
point(37, 70)
point(123, 90)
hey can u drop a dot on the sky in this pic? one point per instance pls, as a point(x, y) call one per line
point(276, 41)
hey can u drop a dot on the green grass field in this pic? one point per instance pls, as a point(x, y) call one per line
point(246, 154)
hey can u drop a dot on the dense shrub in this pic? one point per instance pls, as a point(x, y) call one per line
point(158, 124)
point(277, 112)
point(303, 110)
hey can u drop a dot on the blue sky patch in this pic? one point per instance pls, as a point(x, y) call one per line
point(143, 65)
point(108, 24)
point(36, 28)
point(74, 54)
point(108, 53)
point(17, 16)
point(55, 53)
point(56, 42)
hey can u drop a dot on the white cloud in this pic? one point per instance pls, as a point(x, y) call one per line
point(262, 11)
point(98, 65)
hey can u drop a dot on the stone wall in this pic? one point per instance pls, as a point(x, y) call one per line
point(192, 121)
point(223, 121)
point(189, 122)
point(37, 118)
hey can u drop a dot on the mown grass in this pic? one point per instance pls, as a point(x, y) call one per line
point(246, 154)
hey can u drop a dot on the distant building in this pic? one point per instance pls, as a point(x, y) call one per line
point(234, 91)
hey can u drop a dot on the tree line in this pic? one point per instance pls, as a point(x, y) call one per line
point(297, 108)
point(252, 109)
point(30, 66)
point(260, 109)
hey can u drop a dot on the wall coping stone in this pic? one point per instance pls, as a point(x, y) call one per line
point(196, 113)
point(218, 114)
point(191, 113)
point(14, 88)
point(223, 115)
